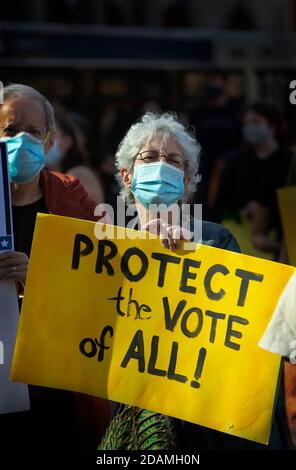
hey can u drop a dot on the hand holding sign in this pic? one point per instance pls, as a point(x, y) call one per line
point(170, 235)
point(14, 265)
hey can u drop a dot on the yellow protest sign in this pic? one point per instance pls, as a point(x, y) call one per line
point(174, 332)
point(287, 204)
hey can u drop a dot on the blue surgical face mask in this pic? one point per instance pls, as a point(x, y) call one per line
point(256, 133)
point(25, 157)
point(54, 156)
point(157, 183)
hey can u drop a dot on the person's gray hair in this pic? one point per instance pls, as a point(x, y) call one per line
point(16, 90)
point(143, 131)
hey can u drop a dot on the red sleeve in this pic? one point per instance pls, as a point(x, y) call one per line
point(65, 195)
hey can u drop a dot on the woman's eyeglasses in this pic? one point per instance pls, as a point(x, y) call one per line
point(152, 156)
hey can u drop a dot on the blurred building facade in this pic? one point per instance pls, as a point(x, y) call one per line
point(270, 15)
point(111, 59)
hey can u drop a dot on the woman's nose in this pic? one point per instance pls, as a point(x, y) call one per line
point(162, 156)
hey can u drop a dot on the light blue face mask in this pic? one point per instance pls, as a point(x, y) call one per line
point(256, 133)
point(54, 156)
point(25, 157)
point(157, 183)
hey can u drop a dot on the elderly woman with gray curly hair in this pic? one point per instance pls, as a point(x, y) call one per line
point(158, 163)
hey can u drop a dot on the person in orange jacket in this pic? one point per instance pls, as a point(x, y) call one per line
point(57, 419)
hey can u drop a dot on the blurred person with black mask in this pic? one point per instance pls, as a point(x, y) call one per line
point(250, 181)
point(217, 126)
point(69, 155)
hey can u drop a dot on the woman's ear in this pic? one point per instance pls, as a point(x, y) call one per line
point(186, 182)
point(126, 177)
point(49, 142)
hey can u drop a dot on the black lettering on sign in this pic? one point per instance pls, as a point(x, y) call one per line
point(118, 299)
point(79, 251)
point(136, 351)
point(199, 317)
point(131, 302)
point(138, 307)
point(101, 344)
point(153, 358)
point(186, 274)
point(171, 321)
point(216, 268)
point(199, 367)
point(103, 258)
point(215, 317)
point(164, 260)
point(236, 334)
point(172, 375)
point(246, 276)
point(88, 347)
point(134, 251)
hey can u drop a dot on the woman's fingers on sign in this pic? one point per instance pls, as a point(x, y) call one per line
point(170, 235)
point(13, 265)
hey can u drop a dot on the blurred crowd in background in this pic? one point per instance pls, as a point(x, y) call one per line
point(247, 150)
point(224, 67)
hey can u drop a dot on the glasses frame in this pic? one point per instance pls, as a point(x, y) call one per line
point(160, 154)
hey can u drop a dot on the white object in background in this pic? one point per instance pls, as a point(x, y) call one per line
point(13, 396)
point(280, 335)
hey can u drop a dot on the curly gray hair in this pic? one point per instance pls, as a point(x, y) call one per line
point(143, 131)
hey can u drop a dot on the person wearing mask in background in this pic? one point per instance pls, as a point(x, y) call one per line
point(57, 419)
point(68, 156)
point(218, 129)
point(271, 149)
point(249, 182)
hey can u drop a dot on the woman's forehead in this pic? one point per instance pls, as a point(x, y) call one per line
point(162, 140)
point(23, 110)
